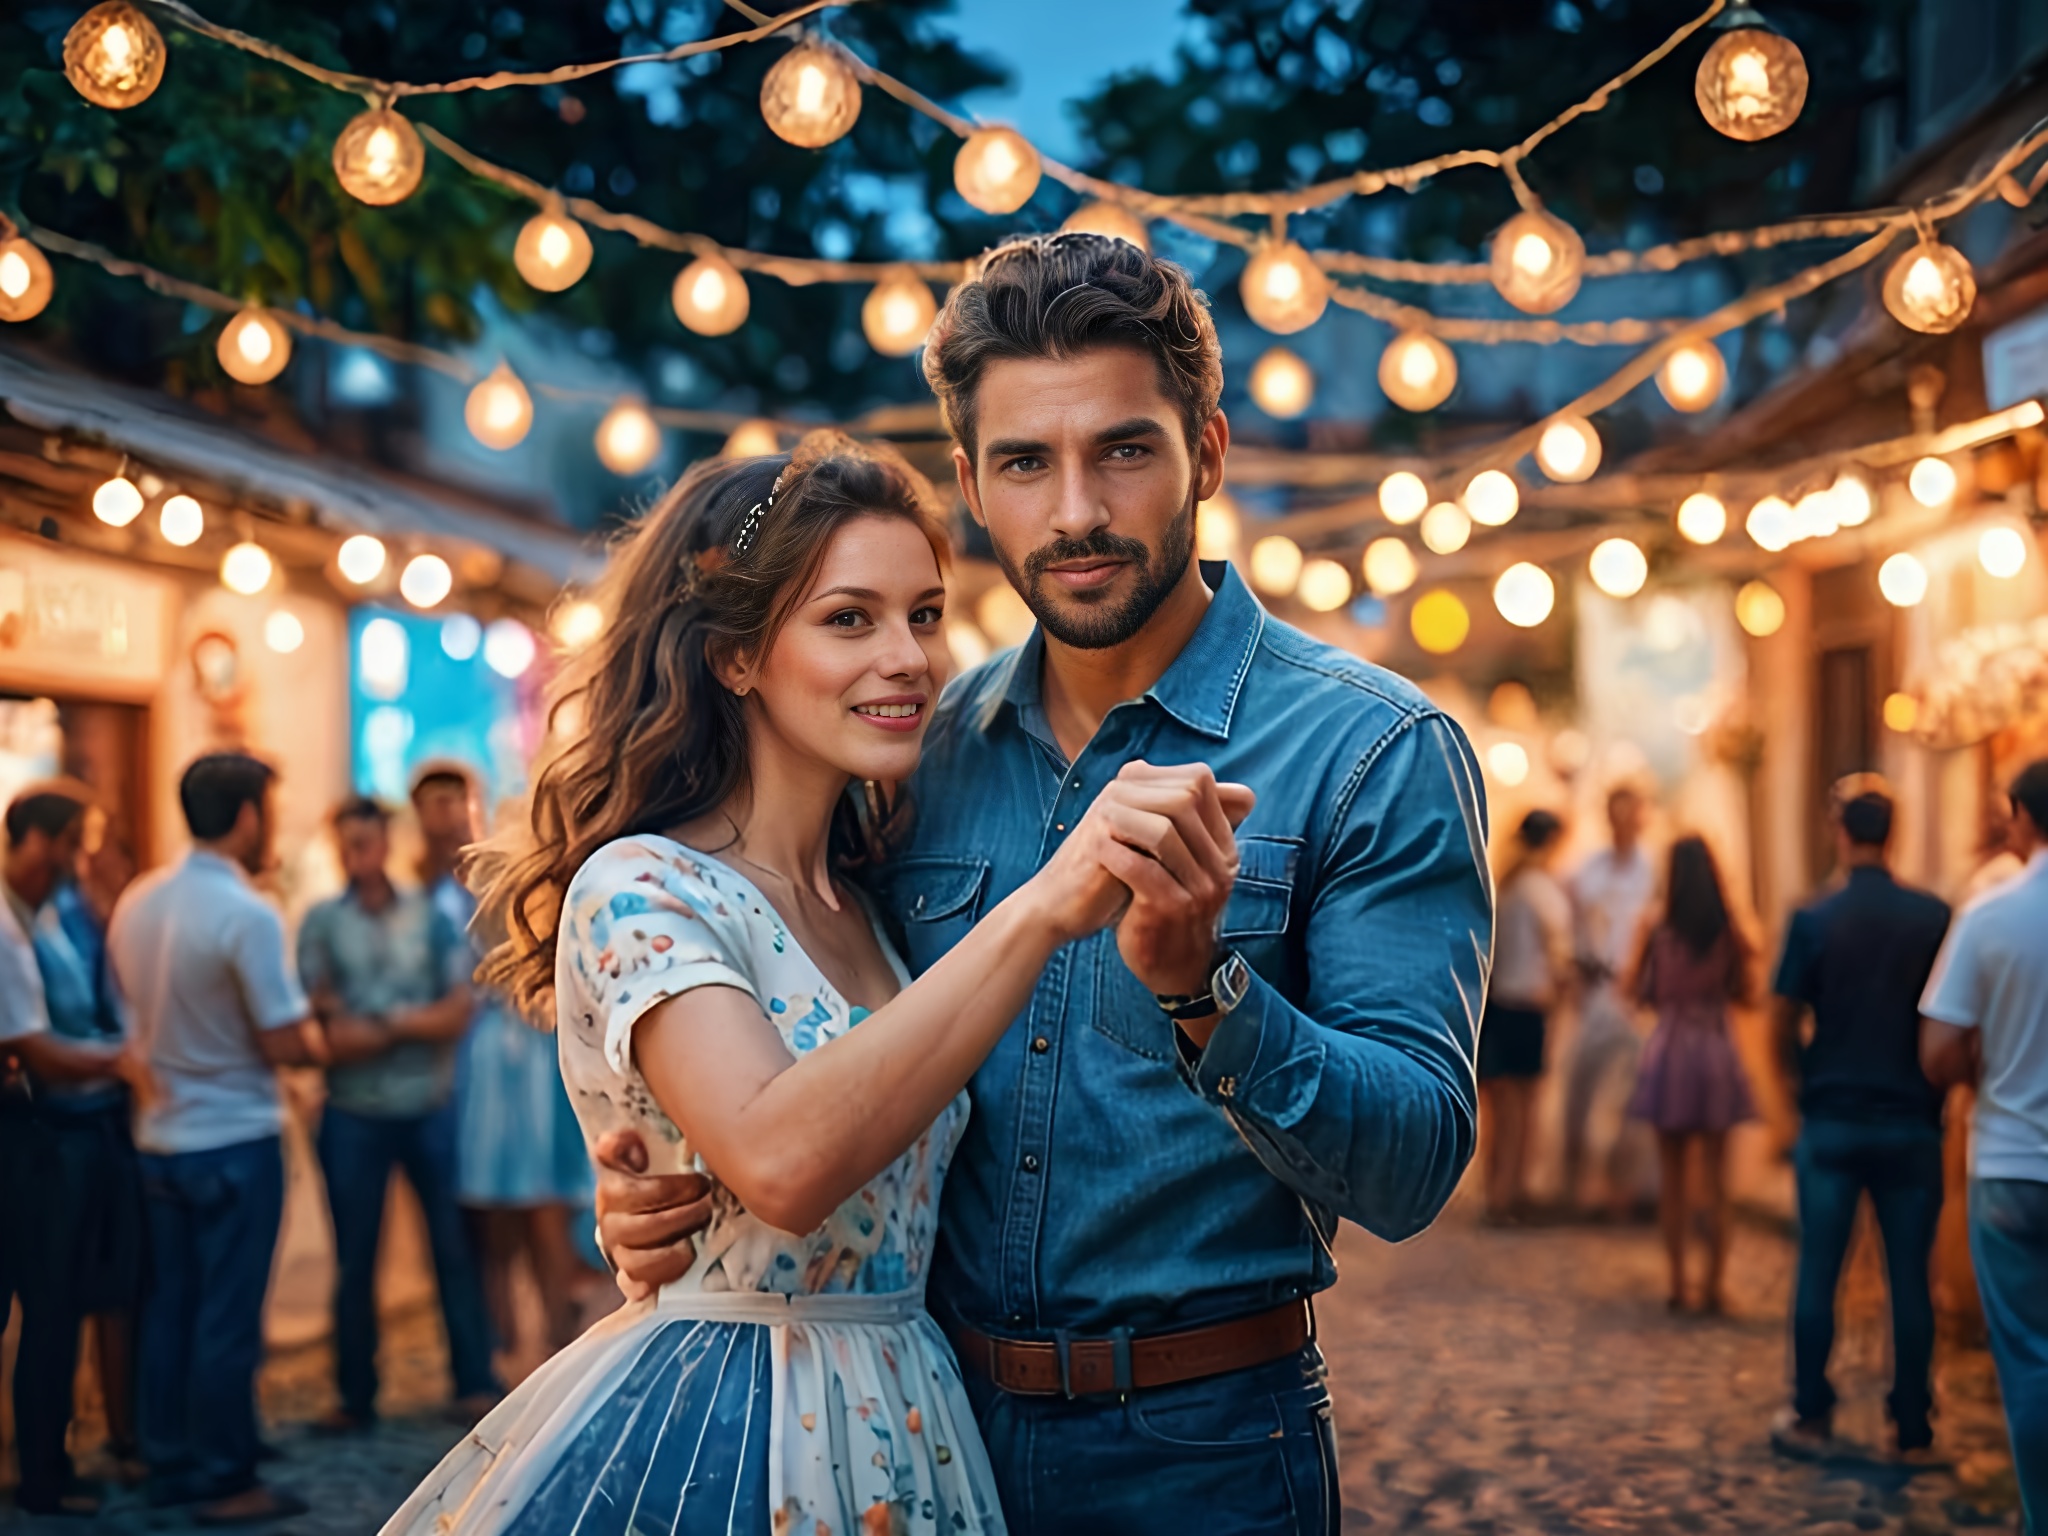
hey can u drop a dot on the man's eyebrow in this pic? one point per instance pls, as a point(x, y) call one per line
point(1124, 431)
point(1011, 447)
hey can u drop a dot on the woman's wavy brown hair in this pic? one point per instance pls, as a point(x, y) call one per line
point(647, 736)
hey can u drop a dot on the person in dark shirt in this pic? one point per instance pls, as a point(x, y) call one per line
point(1858, 958)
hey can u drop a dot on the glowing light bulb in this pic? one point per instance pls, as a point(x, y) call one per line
point(383, 658)
point(1693, 376)
point(1769, 524)
point(1852, 501)
point(1702, 518)
point(576, 623)
point(499, 411)
point(283, 632)
point(114, 55)
point(253, 347)
point(1618, 567)
point(811, 96)
point(628, 440)
point(379, 159)
point(1216, 528)
point(1569, 449)
point(509, 647)
point(425, 581)
point(26, 281)
point(897, 314)
point(1813, 516)
point(1439, 622)
point(1390, 566)
point(1901, 712)
point(1508, 762)
point(1282, 384)
point(2002, 552)
point(1536, 261)
point(1403, 497)
point(361, 558)
point(1932, 482)
point(1759, 609)
point(1752, 82)
point(1283, 289)
point(1524, 595)
point(117, 502)
point(552, 251)
point(752, 440)
point(1276, 565)
point(461, 637)
point(1325, 586)
point(1492, 498)
point(1446, 528)
point(247, 568)
point(710, 296)
point(996, 170)
point(1111, 219)
point(181, 521)
point(1930, 288)
point(1417, 372)
point(1902, 580)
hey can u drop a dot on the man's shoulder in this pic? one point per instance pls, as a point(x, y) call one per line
point(1317, 682)
point(968, 696)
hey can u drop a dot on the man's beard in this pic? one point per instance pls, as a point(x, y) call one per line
point(1095, 621)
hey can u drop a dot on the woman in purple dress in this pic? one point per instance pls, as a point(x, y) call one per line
point(1694, 962)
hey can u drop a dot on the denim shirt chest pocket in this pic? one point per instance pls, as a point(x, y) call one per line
point(935, 899)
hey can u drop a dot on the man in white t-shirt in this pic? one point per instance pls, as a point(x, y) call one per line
point(1984, 1019)
point(201, 958)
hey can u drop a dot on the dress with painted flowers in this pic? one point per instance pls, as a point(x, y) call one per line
point(787, 1386)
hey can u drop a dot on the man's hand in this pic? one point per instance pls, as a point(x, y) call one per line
point(645, 1221)
point(352, 1039)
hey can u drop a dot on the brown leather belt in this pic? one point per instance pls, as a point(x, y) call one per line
point(1079, 1367)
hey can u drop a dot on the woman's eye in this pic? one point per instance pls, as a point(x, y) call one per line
point(848, 618)
point(924, 616)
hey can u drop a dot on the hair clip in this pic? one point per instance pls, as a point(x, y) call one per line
point(750, 525)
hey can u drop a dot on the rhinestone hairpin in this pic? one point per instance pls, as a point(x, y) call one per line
point(751, 523)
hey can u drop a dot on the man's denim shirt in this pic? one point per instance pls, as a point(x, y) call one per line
point(1106, 1182)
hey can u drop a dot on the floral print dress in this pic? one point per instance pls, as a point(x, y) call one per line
point(786, 1385)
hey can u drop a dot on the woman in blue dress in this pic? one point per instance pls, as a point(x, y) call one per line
point(774, 652)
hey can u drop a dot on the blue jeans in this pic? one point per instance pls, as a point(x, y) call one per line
point(357, 1153)
point(1900, 1165)
point(2009, 1245)
point(213, 1220)
point(1251, 1453)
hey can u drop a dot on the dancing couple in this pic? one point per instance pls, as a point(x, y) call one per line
point(1198, 916)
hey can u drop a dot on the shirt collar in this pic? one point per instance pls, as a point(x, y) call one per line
point(213, 863)
point(1870, 874)
point(1200, 689)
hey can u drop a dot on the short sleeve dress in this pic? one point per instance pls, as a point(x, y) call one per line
point(1690, 1078)
point(786, 1385)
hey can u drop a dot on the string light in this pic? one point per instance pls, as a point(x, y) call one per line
point(26, 281)
point(114, 55)
point(1282, 384)
point(361, 558)
point(996, 170)
point(1852, 499)
point(461, 637)
point(552, 251)
point(1813, 516)
point(1702, 518)
point(1283, 289)
point(752, 440)
point(246, 568)
point(1111, 219)
point(1752, 82)
point(1902, 580)
point(2002, 552)
point(1403, 497)
point(1446, 528)
point(810, 97)
point(1759, 609)
point(1618, 567)
point(1276, 565)
point(1693, 376)
point(898, 313)
point(1417, 371)
point(1390, 566)
point(1901, 712)
point(117, 502)
point(1569, 449)
point(1536, 261)
point(1930, 288)
point(1932, 481)
point(1216, 528)
point(283, 632)
point(1325, 586)
point(1769, 524)
point(1524, 594)
point(509, 647)
point(710, 296)
point(1492, 498)
point(499, 411)
point(253, 347)
point(1439, 622)
point(576, 623)
point(181, 521)
point(425, 581)
point(379, 158)
point(1508, 762)
point(628, 440)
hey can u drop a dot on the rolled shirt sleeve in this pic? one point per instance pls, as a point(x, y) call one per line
point(263, 969)
point(1955, 991)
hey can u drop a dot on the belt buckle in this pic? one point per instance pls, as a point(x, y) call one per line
point(1119, 1341)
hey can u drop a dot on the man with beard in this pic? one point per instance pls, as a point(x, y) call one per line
point(1161, 1147)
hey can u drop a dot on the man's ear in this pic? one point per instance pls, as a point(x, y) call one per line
point(970, 491)
point(1210, 449)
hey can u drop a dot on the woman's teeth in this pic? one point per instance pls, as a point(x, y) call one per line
point(888, 711)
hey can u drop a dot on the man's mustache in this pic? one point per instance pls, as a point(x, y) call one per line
point(1099, 545)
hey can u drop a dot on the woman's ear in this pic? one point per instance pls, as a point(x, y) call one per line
point(733, 669)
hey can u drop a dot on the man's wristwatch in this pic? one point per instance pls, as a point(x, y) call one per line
point(1227, 986)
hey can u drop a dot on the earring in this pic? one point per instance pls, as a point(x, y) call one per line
point(741, 691)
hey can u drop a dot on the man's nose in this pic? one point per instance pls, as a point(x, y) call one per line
point(1080, 509)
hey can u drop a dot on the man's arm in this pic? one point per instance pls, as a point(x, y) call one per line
point(1952, 1008)
point(1950, 1053)
point(286, 1032)
point(55, 1059)
point(448, 1015)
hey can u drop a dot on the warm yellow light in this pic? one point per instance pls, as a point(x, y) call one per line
point(1769, 524)
point(1903, 580)
point(1111, 219)
point(379, 158)
point(425, 581)
point(1813, 515)
point(1508, 762)
point(1004, 616)
point(1930, 288)
point(1932, 482)
point(117, 502)
point(1751, 84)
point(710, 296)
point(1618, 567)
point(1446, 528)
point(1216, 528)
point(1390, 566)
point(1569, 449)
point(1702, 518)
point(996, 170)
point(181, 521)
point(628, 439)
point(552, 251)
point(283, 632)
point(1524, 594)
point(1283, 289)
point(811, 96)
point(1759, 609)
point(1901, 712)
point(1439, 622)
point(26, 281)
point(2002, 551)
point(499, 410)
point(1403, 497)
point(1693, 376)
point(246, 568)
point(1536, 261)
point(1282, 384)
point(897, 313)
point(1276, 565)
point(1325, 586)
point(253, 347)
point(1492, 498)
point(361, 558)
point(754, 439)
point(576, 623)
point(114, 55)
point(1852, 501)
point(1417, 371)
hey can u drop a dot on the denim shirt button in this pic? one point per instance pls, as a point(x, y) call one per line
point(1031, 1162)
point(1041, 1045)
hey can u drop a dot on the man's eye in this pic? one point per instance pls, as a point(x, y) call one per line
point(1027, 464)
point(1128, 452)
